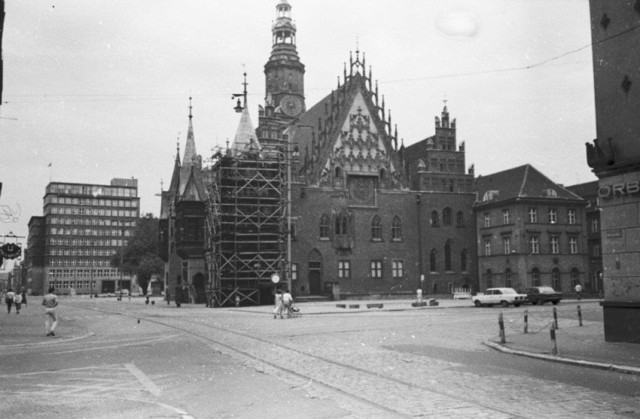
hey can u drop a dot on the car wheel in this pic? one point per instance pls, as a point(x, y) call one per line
point(555, 303)
point(516, 304)
point(534, 303)
point(504, 303)
point(477, 303)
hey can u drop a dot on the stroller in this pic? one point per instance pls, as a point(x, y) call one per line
point(294, 312)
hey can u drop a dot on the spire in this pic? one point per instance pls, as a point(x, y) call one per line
point(190, 148)
point(175, 177)
point(245, 138)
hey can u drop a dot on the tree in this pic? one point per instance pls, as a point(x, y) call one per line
point(141, 256)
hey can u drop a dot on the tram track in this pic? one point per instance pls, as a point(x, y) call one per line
point(370, 393)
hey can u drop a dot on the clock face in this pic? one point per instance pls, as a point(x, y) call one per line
point(291, 105)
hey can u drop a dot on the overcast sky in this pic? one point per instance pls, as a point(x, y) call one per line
point(100, 88)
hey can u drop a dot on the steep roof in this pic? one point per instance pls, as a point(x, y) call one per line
point(520, 183)
point(345, 129)
point(585, 189)
point(245, 134)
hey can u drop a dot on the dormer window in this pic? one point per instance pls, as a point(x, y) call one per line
point(489, 195)
point(551, 193)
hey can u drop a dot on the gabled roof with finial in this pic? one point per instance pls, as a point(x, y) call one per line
point(191, 158)
point(348, 129)
point(245, 139)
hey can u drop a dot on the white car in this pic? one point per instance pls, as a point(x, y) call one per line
point(502, 296)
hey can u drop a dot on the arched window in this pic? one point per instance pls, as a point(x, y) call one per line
point(376, 228)
point(432, 261)
point(341, 225)
point(555, 279)
point(338, 176)
point(460, 219)
point(435, 220)
point(324, 226)
point(447, 256)
point(507, 277)
point(446, 216)
point(463, 260)
point(535, 277)
point(396, 229)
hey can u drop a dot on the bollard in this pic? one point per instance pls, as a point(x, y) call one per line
point(554, 346)
point(501, 323)
point(555, 318)
point(579, 316)
point(526, 321)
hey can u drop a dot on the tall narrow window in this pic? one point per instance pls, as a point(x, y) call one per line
point(432, 261)
point(376, 229)
point(535, 245)
point(344, 269)
point(555, 279)
point(571, 215)
point(573, 245)
point(435, 219)
point(447, 256)
point(553, 216)
point(555, 245)
point(533, 215)
point(507, 277)
point(463, 260)
point(324, 226)
point(506, 244)
point(396, 229)
point(535, 277)
point(487, 247)
point(487, 219)
point(376, 269)
point(505, 216)
point(397, 268)
point(460, 219)
point(446, 216)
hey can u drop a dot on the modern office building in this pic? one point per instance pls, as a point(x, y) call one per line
point(82, 227)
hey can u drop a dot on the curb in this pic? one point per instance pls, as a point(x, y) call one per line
point(48, 342)
point(577, 362)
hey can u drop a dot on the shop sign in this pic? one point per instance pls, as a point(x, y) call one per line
point(619, 189)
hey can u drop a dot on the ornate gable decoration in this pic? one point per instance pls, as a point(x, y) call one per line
point(359, 149)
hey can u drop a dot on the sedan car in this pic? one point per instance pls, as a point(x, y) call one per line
point(542, 295)
point(502, 296)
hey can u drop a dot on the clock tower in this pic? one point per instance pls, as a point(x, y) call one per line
point(284, 72)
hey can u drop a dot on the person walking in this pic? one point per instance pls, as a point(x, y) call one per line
point(17, 301)
point(50, 302)
point(24, 298)
point(8, 299)
point(578, 291)
point(279, 305)
point(287, 300)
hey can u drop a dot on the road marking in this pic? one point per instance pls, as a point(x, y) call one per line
point(144, 380)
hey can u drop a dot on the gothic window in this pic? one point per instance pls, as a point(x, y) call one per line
point(573, 245)
point(553, 216)
point(446, 216)
point(555, 244)
point(324, 226)
point(435, 220)
point(575, 277)
point(463, 260)
point(505, 216)
point(534, 242)
point(533, 215)
point(432, 261)
point(338, 176)
point(506, 243)
point(447, 256)
point(460, 219)
point(571, 215)
point(341, 225)
point(376, 229)
point(396, 229)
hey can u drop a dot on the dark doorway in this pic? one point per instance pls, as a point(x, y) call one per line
point(315, 282)
point(199, 288)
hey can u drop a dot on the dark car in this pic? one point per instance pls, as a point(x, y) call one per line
point(542, 295)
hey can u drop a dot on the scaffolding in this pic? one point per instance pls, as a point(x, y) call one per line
point(246, 205)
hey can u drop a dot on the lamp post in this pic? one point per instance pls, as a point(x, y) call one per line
point(420, 274)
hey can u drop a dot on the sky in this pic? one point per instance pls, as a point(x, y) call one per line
point(96, 90)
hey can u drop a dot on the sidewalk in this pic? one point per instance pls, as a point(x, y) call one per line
point(578, 345)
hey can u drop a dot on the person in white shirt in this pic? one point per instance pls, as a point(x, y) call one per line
point(50, 302)
point(287, 300)
point(8, 299)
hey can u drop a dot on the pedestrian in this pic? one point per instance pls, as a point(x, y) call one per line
point(578, 291)
point(17, 301)
point(168, 296)
point(8, 299)
point(287, 300)
point(178, 296)
point(24, 298)
point(279, 305)
point(50, 302)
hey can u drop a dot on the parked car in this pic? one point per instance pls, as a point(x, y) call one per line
point(543, 295)
point(502, 296)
